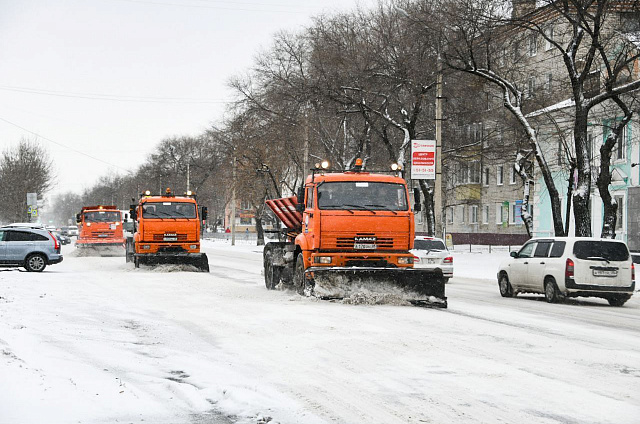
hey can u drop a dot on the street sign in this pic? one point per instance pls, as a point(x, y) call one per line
point(34, 212)
point(423, 159)
point(32, 199)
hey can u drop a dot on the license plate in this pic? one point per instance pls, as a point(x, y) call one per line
point(431, 261)
point(103, 235)
point(364, 246)
point(605, 273)
point(171, 239)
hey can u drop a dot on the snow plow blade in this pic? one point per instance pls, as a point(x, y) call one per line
point(100, 249)
point(421, 287)
point(197, 260)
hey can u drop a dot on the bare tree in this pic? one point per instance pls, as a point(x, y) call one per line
point(24, 168)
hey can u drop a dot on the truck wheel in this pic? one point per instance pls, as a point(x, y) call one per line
point(506, 290)
point(136, 262)
point(35, 263)
point(271, 273)
point(298, 274)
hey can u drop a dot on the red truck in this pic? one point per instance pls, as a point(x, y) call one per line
point(100, 230)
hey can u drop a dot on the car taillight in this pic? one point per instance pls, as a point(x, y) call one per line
point(448, 260)
point(568, 270)
point(56, 245)
point(633, 271)
point(416, 259)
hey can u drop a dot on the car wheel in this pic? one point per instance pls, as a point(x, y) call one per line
point(551, 292)
point(446, 280)
point(618, 300)
point(298, 274)
point(35, 263)
point(506, 290)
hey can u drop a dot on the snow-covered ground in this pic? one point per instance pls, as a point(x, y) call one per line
point(93, 340)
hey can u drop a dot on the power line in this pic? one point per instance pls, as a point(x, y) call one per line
point(64, 145)
point(202, 6)
point(113, 97)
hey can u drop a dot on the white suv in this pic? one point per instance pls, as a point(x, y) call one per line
point(562, 267)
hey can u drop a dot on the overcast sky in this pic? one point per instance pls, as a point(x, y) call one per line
point(74, 71)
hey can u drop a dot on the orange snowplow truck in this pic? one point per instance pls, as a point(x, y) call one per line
point(100, 228)
point(167, 231)
point(350, 232)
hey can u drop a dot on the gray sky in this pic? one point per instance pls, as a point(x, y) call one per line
point(73, 72)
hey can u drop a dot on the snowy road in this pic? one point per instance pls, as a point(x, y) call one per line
point(93, 340)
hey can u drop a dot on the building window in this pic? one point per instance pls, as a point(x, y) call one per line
point(549, 37)
point(500, 175)
point(513, 211)
point(499, 213)
point(473, 214)
point(485, 176)
point(485, 214)
point(548, 83)
point(533, 45)
point(451, 212)
point(516, 50)
point(474, 172)
point(621, 145)
point(512, 176)
point(531, 86)
point(590, 144)
point(619, 213)
point(462, 212)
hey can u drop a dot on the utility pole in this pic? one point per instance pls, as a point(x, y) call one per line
point(187, 176)
point(305, 158)
point(437, 189)
point(233, 203)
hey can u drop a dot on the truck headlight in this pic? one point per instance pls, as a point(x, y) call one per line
point(322, 259)
point(405, 260)
point(193, 246)
point(146, 246)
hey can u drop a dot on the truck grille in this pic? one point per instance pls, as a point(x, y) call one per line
point(170, 237)
point(382, 241)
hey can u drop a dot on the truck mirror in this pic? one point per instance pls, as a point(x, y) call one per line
point(203, 213)
point(300, 205)
point(417, 206)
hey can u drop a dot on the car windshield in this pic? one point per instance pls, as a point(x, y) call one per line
point(159, 210)
point(101, 216)
point(363, 195)
point(599, 250)
point(429, 245)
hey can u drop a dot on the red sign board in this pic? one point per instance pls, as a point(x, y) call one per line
point(423, 159)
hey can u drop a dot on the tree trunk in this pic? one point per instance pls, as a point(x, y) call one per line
point(570, 180)
point(428, 205)
point(582, 195)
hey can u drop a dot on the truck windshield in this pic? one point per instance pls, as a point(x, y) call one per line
point(162, 210)
point(102, 216)
point(363, 195)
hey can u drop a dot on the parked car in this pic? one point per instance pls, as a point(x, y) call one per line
point(31, 248)
point(61, 238)
point(560, 267)
point(26, 225)
point(432, 253)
